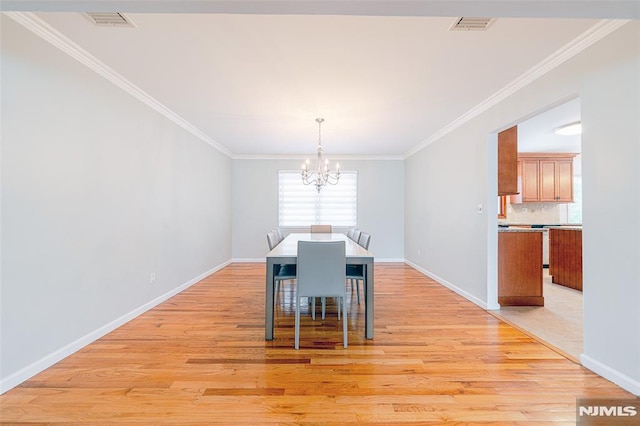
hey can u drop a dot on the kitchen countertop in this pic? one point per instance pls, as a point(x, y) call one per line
point(520, 229)
point(545, 225)
point(528, 227)
point(567, 228)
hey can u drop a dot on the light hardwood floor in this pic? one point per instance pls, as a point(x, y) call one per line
point(201, 358)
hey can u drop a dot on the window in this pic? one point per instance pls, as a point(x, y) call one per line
point(502, 206)
point(302, 205)
point(575, 209)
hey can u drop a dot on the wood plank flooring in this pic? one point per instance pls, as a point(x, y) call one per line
point(201, 358)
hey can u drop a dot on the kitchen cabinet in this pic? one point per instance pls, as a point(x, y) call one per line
point(530, 170)
point(556, 180)
point(544, 178)
point(508, 161)
point(565, 256)
point(520, 267)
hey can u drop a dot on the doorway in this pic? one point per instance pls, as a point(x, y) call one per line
point(559, 323)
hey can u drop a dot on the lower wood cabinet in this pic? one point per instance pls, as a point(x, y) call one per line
point(520, 268)
point(565, 256)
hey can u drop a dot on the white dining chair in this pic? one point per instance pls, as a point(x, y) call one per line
point(282, 272)
point(364, 240)
point(355, 273)
point(272, 240)
point(321, 273)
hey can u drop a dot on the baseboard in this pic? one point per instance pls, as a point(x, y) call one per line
point(263, 260)
point(470, 297)
point(620, 379)
point(521, 301)
point(42, 364)
point(249, 260)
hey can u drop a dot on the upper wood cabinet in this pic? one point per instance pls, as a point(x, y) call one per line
point(530, 172)
point(508, 161)
point(544, 178)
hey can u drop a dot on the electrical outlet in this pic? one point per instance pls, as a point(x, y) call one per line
point(152, 278)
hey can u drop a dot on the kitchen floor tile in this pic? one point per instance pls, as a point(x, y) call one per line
point(558, 323)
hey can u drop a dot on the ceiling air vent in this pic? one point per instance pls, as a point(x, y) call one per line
point(471, 24)
point(105, 19)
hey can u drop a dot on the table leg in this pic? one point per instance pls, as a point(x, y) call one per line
point(268, 304)
point(368, 294)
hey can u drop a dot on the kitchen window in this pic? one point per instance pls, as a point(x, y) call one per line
point(302, 205)
point(502, 207)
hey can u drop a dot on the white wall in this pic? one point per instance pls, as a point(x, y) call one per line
point(445, 237)
point(611, 207)
point(380, 204)
point(98, 192)
point(446, 180)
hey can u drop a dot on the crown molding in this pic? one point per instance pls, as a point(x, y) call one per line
point(45, 31)
point(575, 46)
point(302, 157)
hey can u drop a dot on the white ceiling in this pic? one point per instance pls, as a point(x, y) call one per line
point(537, 133)
point(255, 83)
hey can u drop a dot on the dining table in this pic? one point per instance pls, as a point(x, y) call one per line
point(286, 253)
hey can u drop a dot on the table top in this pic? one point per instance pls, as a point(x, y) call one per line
point(289, 246)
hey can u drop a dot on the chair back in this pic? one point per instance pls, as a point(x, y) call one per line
point(350, 233)
point(272, 240)
point(364, 239)
point(325, 229)
point(356, 235)
point(321, 268)
point(279, 235)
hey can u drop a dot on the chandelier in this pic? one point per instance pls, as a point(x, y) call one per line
point(322, 175)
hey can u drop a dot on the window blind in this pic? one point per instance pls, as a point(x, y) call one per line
point(302, 205)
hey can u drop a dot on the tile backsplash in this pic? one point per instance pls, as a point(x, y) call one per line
point(536, 213)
